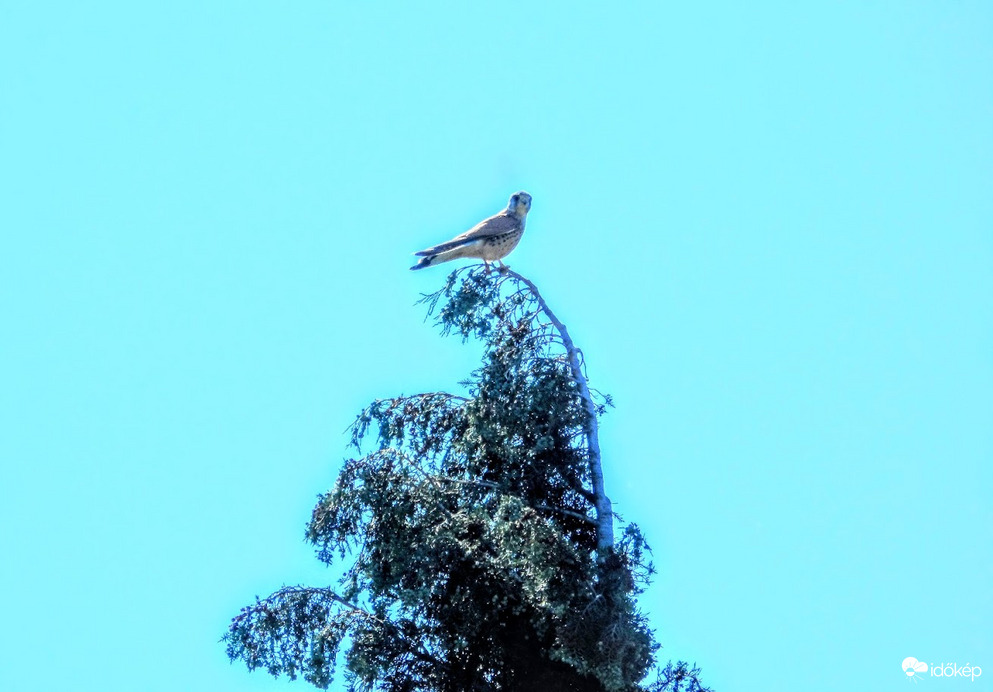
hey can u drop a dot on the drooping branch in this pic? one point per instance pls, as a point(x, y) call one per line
point(276, 600)
point(329, 594)
point(604, 511)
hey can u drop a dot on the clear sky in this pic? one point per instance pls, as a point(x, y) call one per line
point(769, 225)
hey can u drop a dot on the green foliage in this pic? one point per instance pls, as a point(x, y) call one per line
point(465, 535)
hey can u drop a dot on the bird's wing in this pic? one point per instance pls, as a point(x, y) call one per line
point(495, 225)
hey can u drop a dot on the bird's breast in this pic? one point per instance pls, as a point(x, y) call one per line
point(499, 246)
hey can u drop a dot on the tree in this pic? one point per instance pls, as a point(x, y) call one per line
point(476, 540)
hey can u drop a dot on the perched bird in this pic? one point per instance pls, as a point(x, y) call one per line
point(490, 240)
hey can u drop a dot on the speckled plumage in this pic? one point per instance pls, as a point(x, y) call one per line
point(490, 240)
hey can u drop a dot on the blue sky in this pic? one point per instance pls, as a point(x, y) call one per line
point(768, 225)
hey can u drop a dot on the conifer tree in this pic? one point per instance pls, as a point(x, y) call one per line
point(475, 537)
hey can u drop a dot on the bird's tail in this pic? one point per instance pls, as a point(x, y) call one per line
point(424, 262)
point(460, 250)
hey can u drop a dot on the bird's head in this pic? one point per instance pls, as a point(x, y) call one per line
point(520, 203)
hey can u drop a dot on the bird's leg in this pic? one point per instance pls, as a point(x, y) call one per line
point(503, 268)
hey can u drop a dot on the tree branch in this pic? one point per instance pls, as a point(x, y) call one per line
point(416, 649)
point(568, 513)
point(547, 508)
point(604, 512)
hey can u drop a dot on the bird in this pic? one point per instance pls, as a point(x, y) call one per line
point(490, 240)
